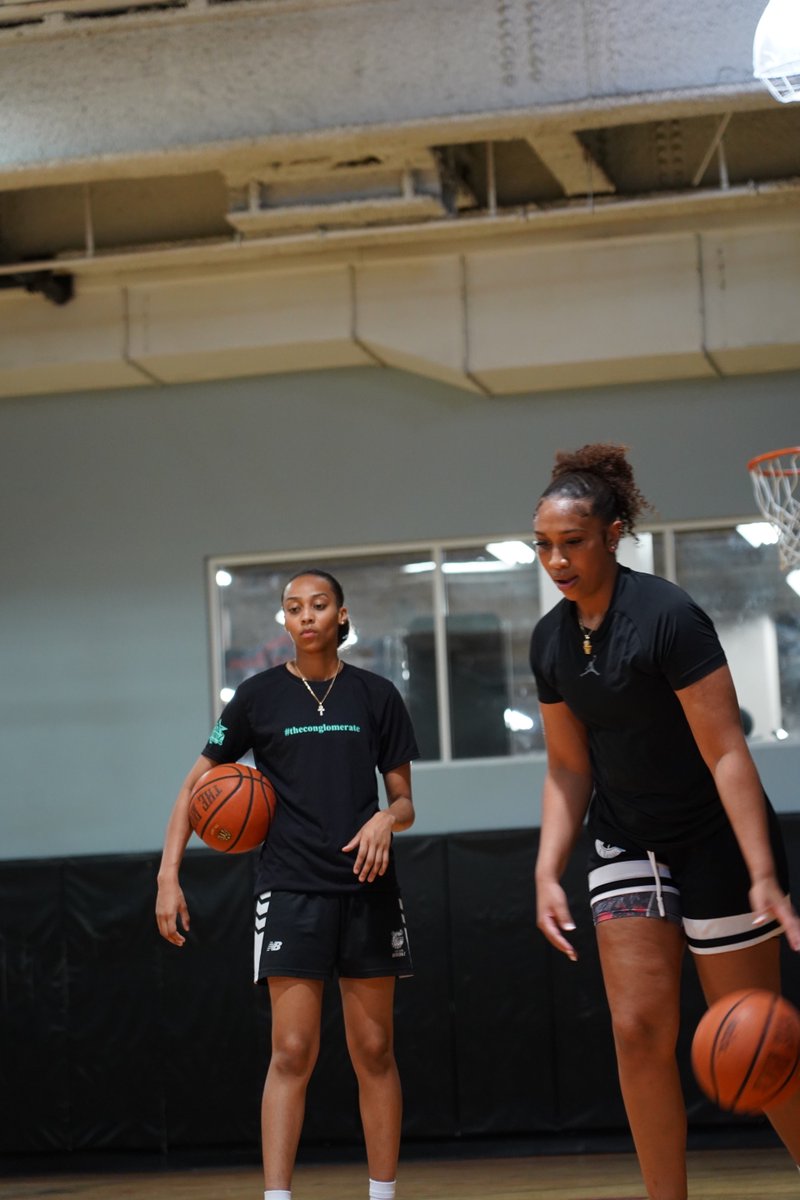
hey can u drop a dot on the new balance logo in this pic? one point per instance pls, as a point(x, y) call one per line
point(274, 945)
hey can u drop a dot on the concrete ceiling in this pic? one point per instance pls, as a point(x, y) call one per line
point(183, 124)
point(505, 195)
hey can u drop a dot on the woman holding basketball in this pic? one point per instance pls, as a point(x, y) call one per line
point(327, 897)
point(643, 730)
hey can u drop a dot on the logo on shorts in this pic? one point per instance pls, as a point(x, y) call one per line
point(274, 945)
point(398, 943)
point(606, 850)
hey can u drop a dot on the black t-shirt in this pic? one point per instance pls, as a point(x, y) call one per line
point(323, 768)
point(651, 783)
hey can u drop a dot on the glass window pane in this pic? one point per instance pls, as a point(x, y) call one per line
point(757, 616)
point(659, 556)
point(492, 606)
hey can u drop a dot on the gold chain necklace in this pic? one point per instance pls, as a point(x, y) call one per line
point(319, 703)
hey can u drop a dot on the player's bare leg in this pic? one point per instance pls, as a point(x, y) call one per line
point(368, 1006)
point(641, 959)
point(296, 1013)
point(755, 967)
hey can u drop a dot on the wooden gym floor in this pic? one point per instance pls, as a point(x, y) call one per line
point(713, 1174)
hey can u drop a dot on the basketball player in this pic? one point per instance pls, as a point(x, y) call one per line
point(643, 729)
point(327, 896)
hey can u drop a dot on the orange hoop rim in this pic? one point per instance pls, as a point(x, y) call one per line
point(754, 463)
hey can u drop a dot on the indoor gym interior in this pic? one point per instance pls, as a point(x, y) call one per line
point(333, 280)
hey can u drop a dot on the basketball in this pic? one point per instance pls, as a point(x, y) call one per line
point(231, 808)
point(746, 1051)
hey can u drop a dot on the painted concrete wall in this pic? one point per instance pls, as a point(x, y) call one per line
point(113, 501)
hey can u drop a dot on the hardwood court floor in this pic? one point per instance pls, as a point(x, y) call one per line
point(713, 1174)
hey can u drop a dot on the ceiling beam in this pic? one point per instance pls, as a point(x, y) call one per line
point(570, 163)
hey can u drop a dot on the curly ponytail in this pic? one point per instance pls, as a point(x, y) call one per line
point(600, 474)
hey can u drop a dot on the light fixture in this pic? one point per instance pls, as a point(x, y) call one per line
point(759, 533)
point(226, 694)
point(474, 566)
point(514, 554)
point(776, 49)
point(223, 578)
point(793, 580)
point(516, 721)
point(780, 735)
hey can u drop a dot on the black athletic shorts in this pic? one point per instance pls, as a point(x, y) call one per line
point(703, 886)
point(312, 935)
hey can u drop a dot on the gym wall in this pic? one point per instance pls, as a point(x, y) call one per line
point(113, 502)
point(116, 1041)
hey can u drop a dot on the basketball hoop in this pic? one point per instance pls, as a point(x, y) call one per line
point(776, 484)
point(776, 50)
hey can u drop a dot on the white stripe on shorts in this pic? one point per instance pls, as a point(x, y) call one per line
point(611, 873)
point(262, 907)
point(721, 934)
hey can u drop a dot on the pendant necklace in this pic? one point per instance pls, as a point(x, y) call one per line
point(319, 703)
point(587, 637)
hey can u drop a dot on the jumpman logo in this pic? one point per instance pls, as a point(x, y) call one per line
point(591, 669)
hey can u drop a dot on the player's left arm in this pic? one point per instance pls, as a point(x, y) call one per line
point(373, 841)
point(712, 710)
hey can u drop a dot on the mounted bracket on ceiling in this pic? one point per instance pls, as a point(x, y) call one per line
point(57, 288)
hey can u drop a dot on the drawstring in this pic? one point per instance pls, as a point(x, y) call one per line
point(659, 897)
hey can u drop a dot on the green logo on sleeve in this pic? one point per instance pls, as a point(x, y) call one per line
point(217, 735)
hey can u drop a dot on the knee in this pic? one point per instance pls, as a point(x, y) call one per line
point(372, 1054)
point(642, 1032)
point(293, 1055)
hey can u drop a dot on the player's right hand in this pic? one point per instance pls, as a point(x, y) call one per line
point(554, 918)
point(170, 907)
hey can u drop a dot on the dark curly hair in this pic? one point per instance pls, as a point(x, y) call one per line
point(336, 588)
point(600, 474)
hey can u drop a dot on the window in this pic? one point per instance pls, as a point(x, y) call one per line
point(757, 615)
point(450, 624)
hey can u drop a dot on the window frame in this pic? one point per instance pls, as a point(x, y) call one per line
point(435, 550)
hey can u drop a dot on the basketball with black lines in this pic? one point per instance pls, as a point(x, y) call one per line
point(746, 1051)
point(231, 808)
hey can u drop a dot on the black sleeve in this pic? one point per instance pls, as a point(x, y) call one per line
point(396, 741)
point(231, 737)
point(687, 647)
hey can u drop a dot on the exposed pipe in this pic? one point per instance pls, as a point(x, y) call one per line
point(709, 154)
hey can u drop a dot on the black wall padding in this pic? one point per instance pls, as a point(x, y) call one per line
point(112, 1039)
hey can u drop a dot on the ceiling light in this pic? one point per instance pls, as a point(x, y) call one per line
point(759, 533)
point(793, 580)
point(776, 49)
point(514, 554)
point(517, 721)
point(223, 578)
point(474, 566)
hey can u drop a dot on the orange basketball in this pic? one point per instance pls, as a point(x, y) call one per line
point(231, 808)
point(746, 1051)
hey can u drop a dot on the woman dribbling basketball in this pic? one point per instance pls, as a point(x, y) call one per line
point(643, 730)
point(327, 897)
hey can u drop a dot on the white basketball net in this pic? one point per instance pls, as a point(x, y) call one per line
point(776, 483)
